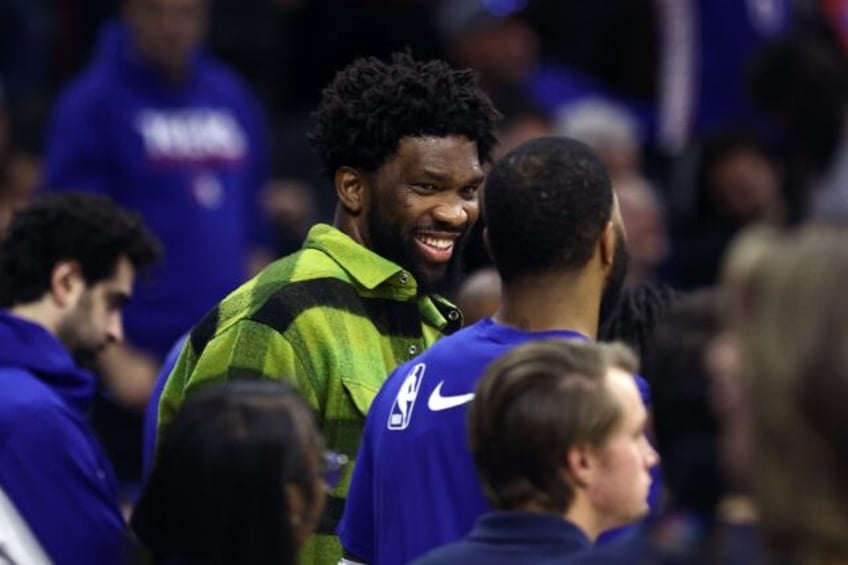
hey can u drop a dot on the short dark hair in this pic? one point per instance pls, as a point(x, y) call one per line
point(216, 493)
point(530, 407)
point(684, 421)
point(90, 229)
point(547, 203)
point(371, 105)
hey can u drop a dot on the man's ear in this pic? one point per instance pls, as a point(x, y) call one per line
point(350, 189)
point(608, 243)
point(66, 283)
point(581, 465)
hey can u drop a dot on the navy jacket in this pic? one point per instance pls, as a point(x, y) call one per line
point(511, 537)
point(51, 466)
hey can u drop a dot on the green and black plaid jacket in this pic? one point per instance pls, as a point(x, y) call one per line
point(333, 319)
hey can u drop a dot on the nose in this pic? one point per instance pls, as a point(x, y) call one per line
point(115, 328)
point(652, 458)
point(455, 211)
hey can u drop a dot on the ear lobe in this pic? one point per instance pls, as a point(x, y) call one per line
point(350, 189)
point(608, 243)
point(66, 283)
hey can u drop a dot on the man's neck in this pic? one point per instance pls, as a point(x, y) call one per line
point(40, 313)
point(580, 514)
point(569, 301)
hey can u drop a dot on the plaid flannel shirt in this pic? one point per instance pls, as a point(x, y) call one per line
point(333, 319)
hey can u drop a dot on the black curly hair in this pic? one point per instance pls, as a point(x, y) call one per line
point(90, 229)
point(372, 104)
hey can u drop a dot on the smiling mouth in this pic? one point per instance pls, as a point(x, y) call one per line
point(436, 243)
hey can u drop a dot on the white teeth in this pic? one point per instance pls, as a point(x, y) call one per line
point(440, 244)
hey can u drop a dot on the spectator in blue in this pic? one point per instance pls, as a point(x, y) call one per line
point(66, 270)
point(166, 130)
point(557, 432)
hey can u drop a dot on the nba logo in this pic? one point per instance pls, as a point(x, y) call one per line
point(405, 399)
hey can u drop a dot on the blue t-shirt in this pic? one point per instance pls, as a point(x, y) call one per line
point(414, 483)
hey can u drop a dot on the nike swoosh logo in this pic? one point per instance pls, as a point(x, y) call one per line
point(437, 402)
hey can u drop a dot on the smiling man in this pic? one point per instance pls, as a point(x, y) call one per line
point(404, 143)
point(66, 271)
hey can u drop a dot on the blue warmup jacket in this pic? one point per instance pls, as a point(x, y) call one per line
point(190, 158)
point(51, 466)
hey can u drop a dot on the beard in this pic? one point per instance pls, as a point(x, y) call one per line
point(392, 242)
point(77, 333)
point(615, 279)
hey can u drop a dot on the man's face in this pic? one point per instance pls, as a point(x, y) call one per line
point(619, 490)
point(96, 319)
point(167, 32)
point(420, 205)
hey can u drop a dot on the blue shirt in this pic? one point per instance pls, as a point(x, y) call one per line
point(681, 538)
point(512, 537)
point(51, 465)
point(414, 485)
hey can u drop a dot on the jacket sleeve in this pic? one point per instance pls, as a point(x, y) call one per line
point(247, 350)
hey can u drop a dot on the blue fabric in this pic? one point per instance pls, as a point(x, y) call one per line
point(51, 465)
point(681, 538)
point(728, 34)
point(151, 413)
point(512, 537)
point(414, 486)
point(190, 158)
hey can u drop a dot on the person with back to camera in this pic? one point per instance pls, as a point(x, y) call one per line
point(553, 228)
point(404, 143)
point(66, 270)
point(239, 478)
point(557, 433)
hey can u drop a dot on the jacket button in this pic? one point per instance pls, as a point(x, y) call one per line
point(453, 315)
point(404, 278)
point(412, 350)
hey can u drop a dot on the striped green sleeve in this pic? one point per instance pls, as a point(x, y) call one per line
point(245, 350)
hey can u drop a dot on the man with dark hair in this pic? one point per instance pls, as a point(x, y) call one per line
point(553, 229)
point(403, 142)
point(556, 431)
point(66, 271)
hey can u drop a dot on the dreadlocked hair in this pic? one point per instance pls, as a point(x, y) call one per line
point(636, 315)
